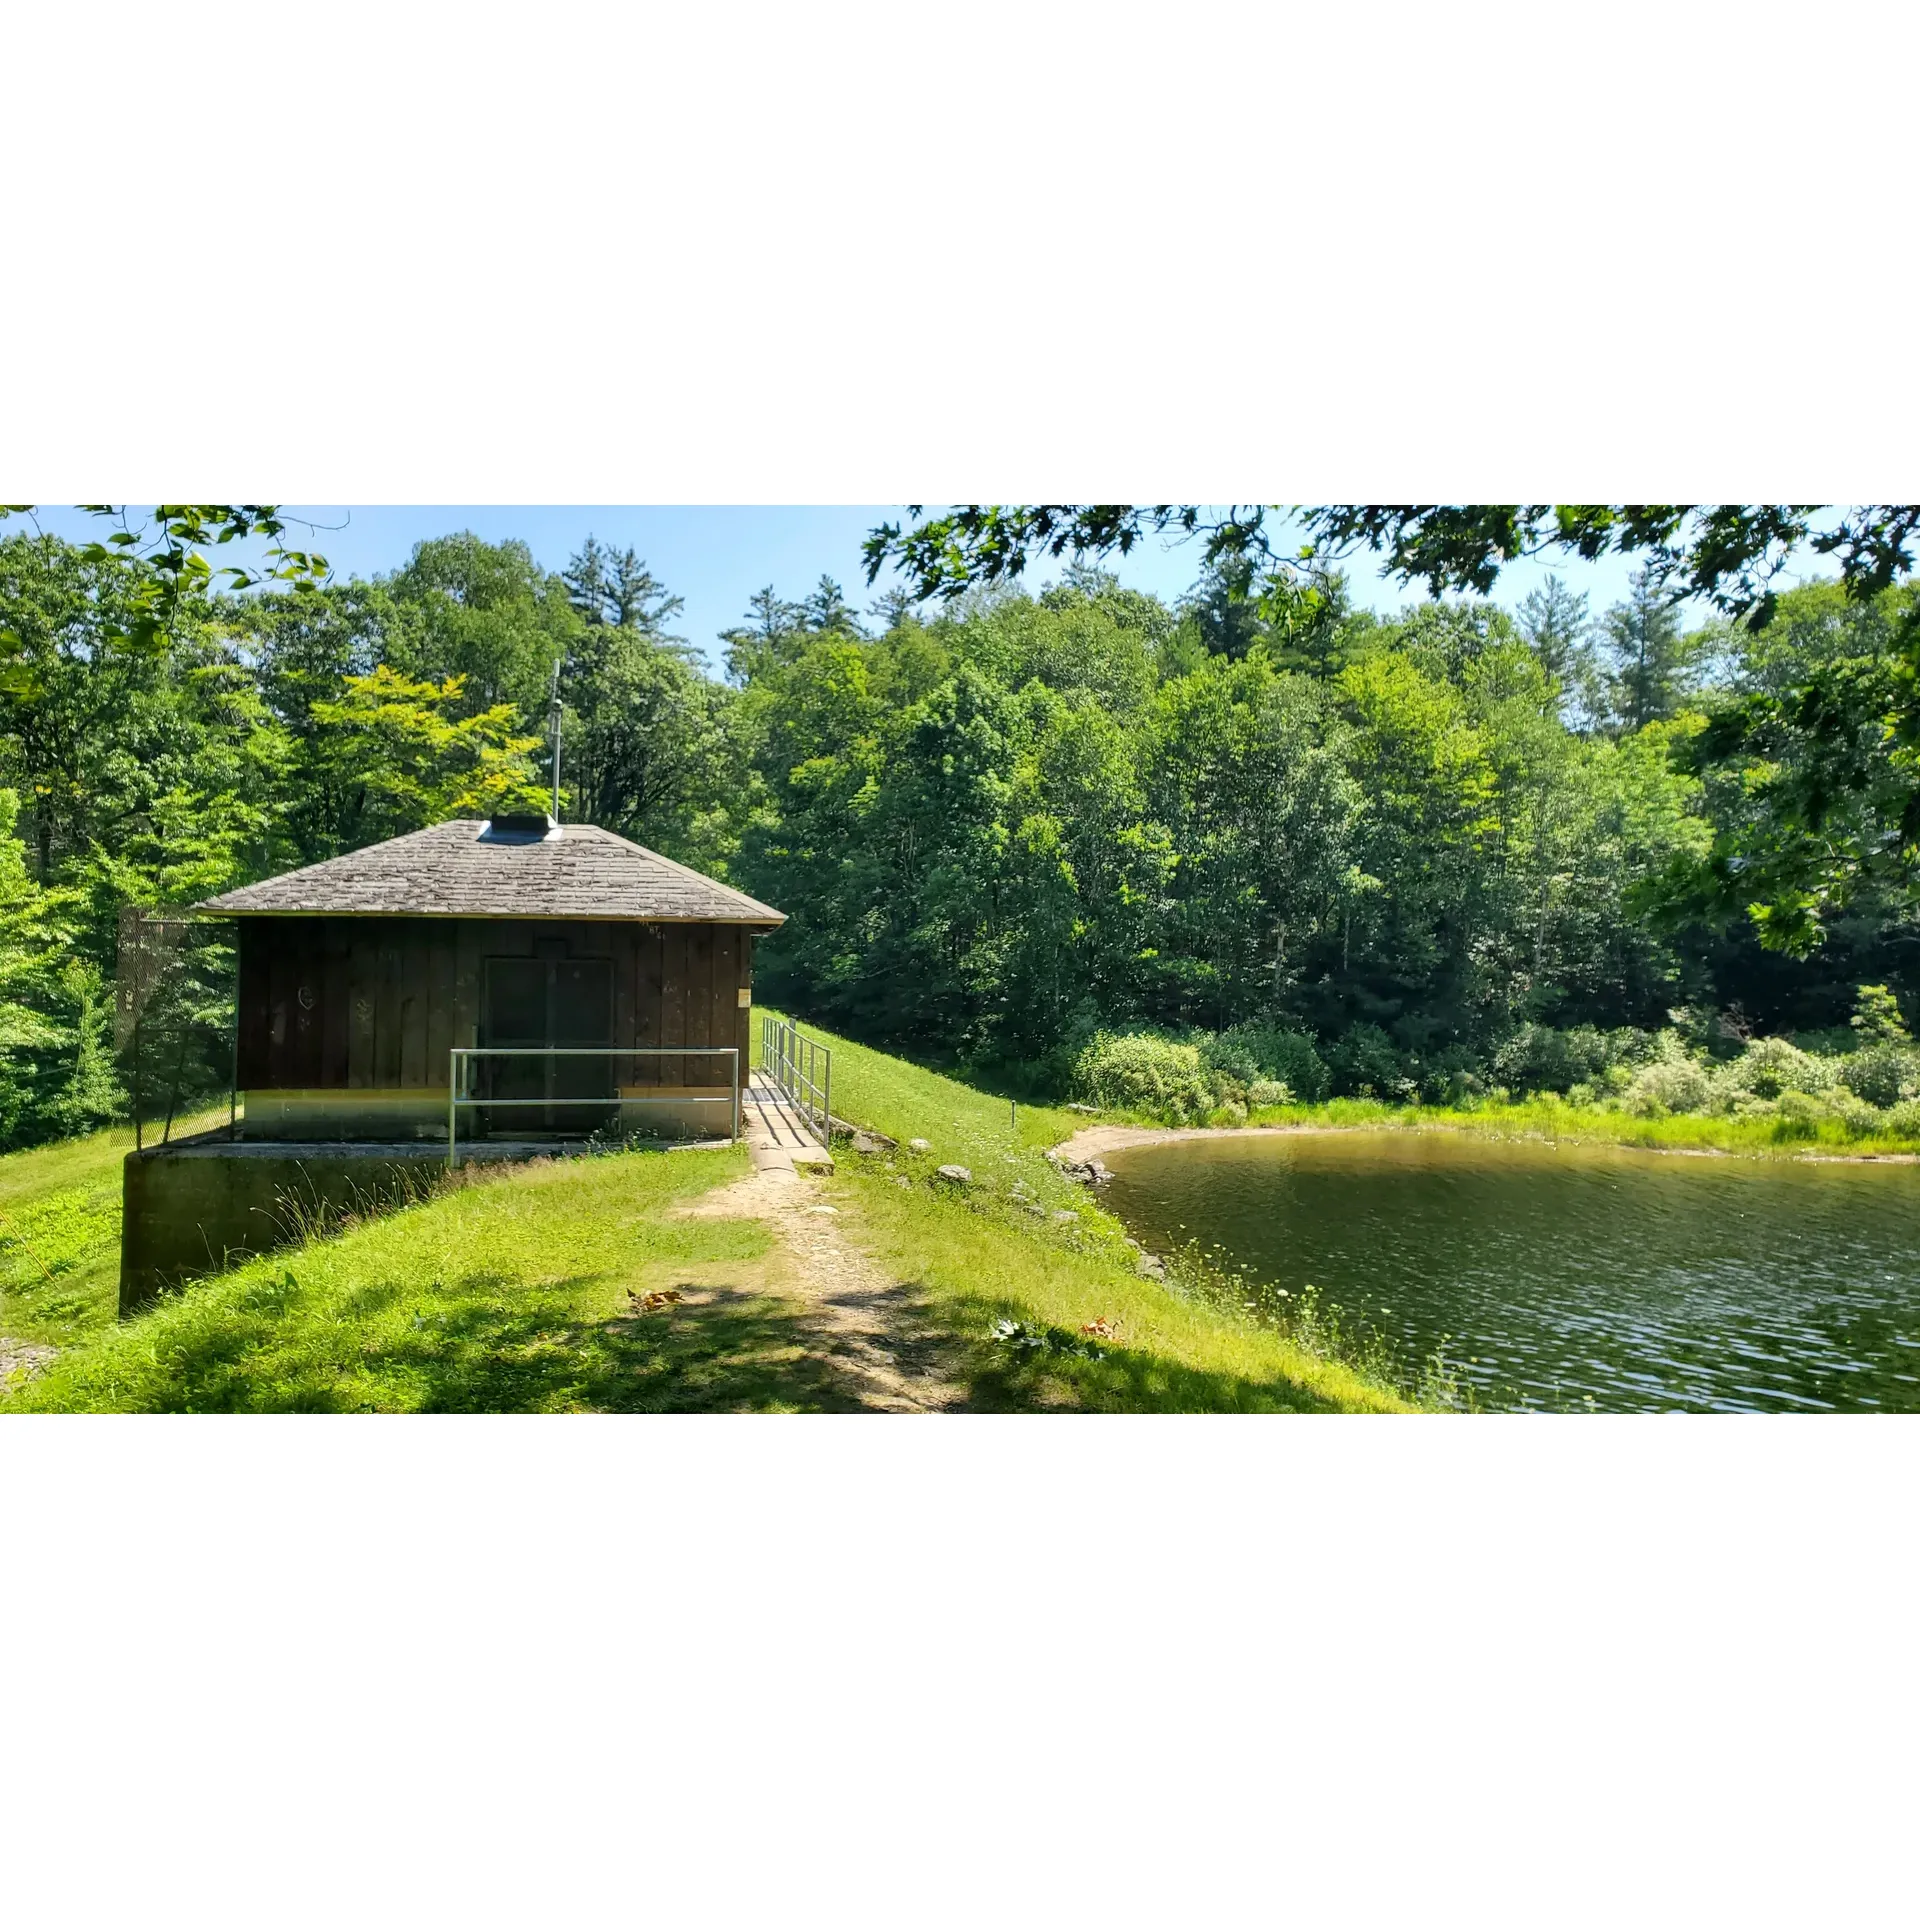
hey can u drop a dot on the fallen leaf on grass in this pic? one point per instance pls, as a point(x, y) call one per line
point(656, 1301)
point(1103, 1328)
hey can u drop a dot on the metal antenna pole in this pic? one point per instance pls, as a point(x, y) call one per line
point(556, 739)
point(139, 1016)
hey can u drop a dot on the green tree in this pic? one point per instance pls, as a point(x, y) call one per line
point(645, 742)
point(1812, 779)
point(1649, 663)
point(612, 589)
point(1223, 607)
point(827, 611)
point(894, 608)
point(637, 601)
point(33, 946)
point(586, 580)
point(1727, 556)
point(1247, 783)
point(161, 556)
point(1410, 944)
point(769, 636)
point(484, 613)
point(414, 754)
point(1553, 620)
point(63, 678)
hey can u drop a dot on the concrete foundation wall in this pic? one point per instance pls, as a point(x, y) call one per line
point(190, 1210)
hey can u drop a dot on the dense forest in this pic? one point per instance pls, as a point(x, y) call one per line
point(1076, 839)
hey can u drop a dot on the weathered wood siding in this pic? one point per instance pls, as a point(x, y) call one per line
point(332, 1005)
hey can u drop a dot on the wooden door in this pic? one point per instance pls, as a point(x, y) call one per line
point(548, 1003)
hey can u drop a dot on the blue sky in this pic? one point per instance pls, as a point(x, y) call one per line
point(715, 557)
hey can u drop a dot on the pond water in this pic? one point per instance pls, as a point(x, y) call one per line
point(1568, 1277)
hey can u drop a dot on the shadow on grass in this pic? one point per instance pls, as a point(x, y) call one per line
point(508, 1348)
point(493, 1342)
point(490, 1343)
point(955, 1344)
point(1005, 1378)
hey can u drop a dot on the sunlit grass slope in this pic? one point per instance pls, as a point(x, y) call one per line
point(60, 1233)
point(997, 1250)
point(508, 1294)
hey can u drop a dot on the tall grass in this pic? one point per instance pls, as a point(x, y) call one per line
point(1306, 1318)
point(60, 1232)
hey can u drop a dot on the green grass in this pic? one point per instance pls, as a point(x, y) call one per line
point(60, 1233)
point(993, 1250)
point(1544, 1117)
point(510, 1290)
point(507, 1294)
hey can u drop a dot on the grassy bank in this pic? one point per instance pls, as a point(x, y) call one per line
point(60, 1234)
point(514, 1290)
point(507, 1293)
point(1546, 1117)
point(1022, 1243)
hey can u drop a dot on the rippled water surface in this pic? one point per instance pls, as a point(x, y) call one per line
point(1567, 1276)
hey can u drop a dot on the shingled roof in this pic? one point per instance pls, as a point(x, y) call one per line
point(524, 870)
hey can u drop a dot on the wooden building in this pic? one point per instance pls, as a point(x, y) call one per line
point(360, 976)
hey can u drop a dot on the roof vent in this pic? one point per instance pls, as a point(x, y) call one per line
point(520, 827)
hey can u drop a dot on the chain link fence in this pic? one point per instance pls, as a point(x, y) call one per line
point(173, 1019)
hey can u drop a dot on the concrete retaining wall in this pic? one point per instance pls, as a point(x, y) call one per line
point(190, 1209)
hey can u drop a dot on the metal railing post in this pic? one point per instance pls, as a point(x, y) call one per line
point(460, 1082)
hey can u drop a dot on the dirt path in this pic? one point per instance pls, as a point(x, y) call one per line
point(20, 1360)
point(857, 1314)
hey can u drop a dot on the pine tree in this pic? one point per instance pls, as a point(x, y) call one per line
point(1646, 675)
point(635, 599)
point(827, 611)
point(764, 637)
point(586, 578)
point(1222, 606)
point(1553, 620)
point(894, 608)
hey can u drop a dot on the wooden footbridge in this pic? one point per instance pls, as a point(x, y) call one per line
point(786, 1112)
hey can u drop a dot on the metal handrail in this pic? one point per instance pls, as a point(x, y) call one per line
point(808, 1088)
point(459, 1081)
